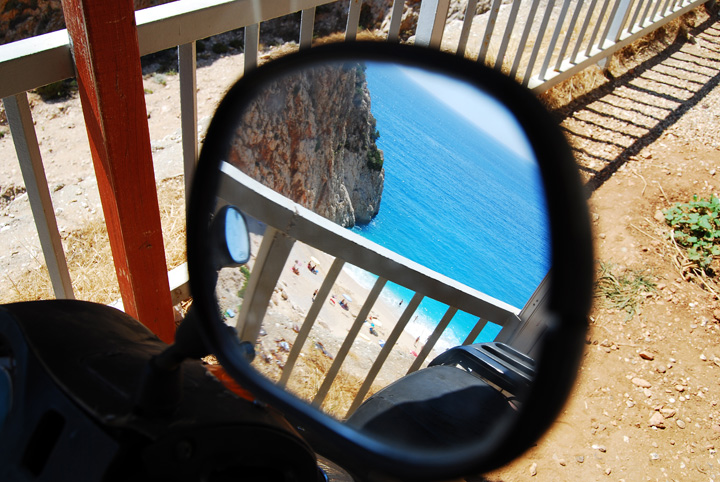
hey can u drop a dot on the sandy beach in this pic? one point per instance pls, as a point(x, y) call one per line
point(289, 305)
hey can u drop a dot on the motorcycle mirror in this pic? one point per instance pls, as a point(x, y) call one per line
point(232, 238)
point(407, 208)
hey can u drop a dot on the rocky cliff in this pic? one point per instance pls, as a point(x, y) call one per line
point(311, 136)
point(21, 19)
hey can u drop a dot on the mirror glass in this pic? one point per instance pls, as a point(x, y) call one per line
point(395, 214)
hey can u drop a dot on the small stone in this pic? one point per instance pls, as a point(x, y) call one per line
point(646, 355)
point(667, 412)
point(654, 456)
point(580, 459)
point(680, 423)
point(703, 357)
point(679, 388)
point(657, 420)
point(639, 382)
point(608, 471)
point(601, 448)
point(716, 428)
point(647, 392)
point(533, 470)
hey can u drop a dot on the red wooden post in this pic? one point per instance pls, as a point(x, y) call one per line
point(107, 58)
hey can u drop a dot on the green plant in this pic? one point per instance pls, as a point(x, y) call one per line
point(148, 91)
point(159, 78)
point(621, 290)
point(374, 160)
point(220, 48)
point(246, 272)
point(58, 90)
point(696, 228)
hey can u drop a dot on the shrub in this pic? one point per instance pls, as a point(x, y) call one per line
point(58, 90)
point(220, 48)
point(374, 160)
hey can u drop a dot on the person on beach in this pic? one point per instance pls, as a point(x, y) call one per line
point(314, 295)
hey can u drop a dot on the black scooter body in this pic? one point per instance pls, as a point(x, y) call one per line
point(69, 376)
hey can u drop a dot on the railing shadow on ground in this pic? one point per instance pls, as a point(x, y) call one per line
point(596, 177)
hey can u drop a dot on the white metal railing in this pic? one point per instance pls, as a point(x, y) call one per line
point(589, 31)
point(289, 222)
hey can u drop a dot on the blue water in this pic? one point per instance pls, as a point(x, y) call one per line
point(455, 200)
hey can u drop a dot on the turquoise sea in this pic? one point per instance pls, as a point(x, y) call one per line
point(456, 199)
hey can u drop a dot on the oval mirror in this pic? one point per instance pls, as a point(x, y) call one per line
point(405, 209)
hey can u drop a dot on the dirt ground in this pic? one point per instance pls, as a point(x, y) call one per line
point(645, 406)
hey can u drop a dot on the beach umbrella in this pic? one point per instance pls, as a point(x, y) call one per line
point(347, 298)
point(314, 260)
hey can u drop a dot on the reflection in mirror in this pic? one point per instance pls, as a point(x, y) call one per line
point(423, 240)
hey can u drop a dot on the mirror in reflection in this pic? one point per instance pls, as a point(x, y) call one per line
point(398, 231)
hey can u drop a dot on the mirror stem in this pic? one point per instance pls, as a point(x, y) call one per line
point(160, 390)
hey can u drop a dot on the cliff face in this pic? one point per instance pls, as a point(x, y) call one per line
point(311, 137)
point(21, 19)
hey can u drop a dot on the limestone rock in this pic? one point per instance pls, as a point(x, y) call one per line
point(310, 136)
point(657, 420)
point(639, 382)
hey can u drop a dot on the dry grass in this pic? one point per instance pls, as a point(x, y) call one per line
point(309, 374)
point(622, 61)
point(90, 260)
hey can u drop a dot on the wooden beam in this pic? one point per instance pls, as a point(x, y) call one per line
point(107, 60)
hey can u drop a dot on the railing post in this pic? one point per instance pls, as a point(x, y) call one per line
point(467, 25)
point(252, 44)
point(312, 314)
point(533, 320)
point(352, 20)
point(395, 20)
point(307, 25)
point(618, 17)
point(385, 352)
point(188, 112)
point(270, 260)
point(347, 343)
point(107, 58)
point(28, 152)
point(431, 23)
point(432, 339)
point(475, 332)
